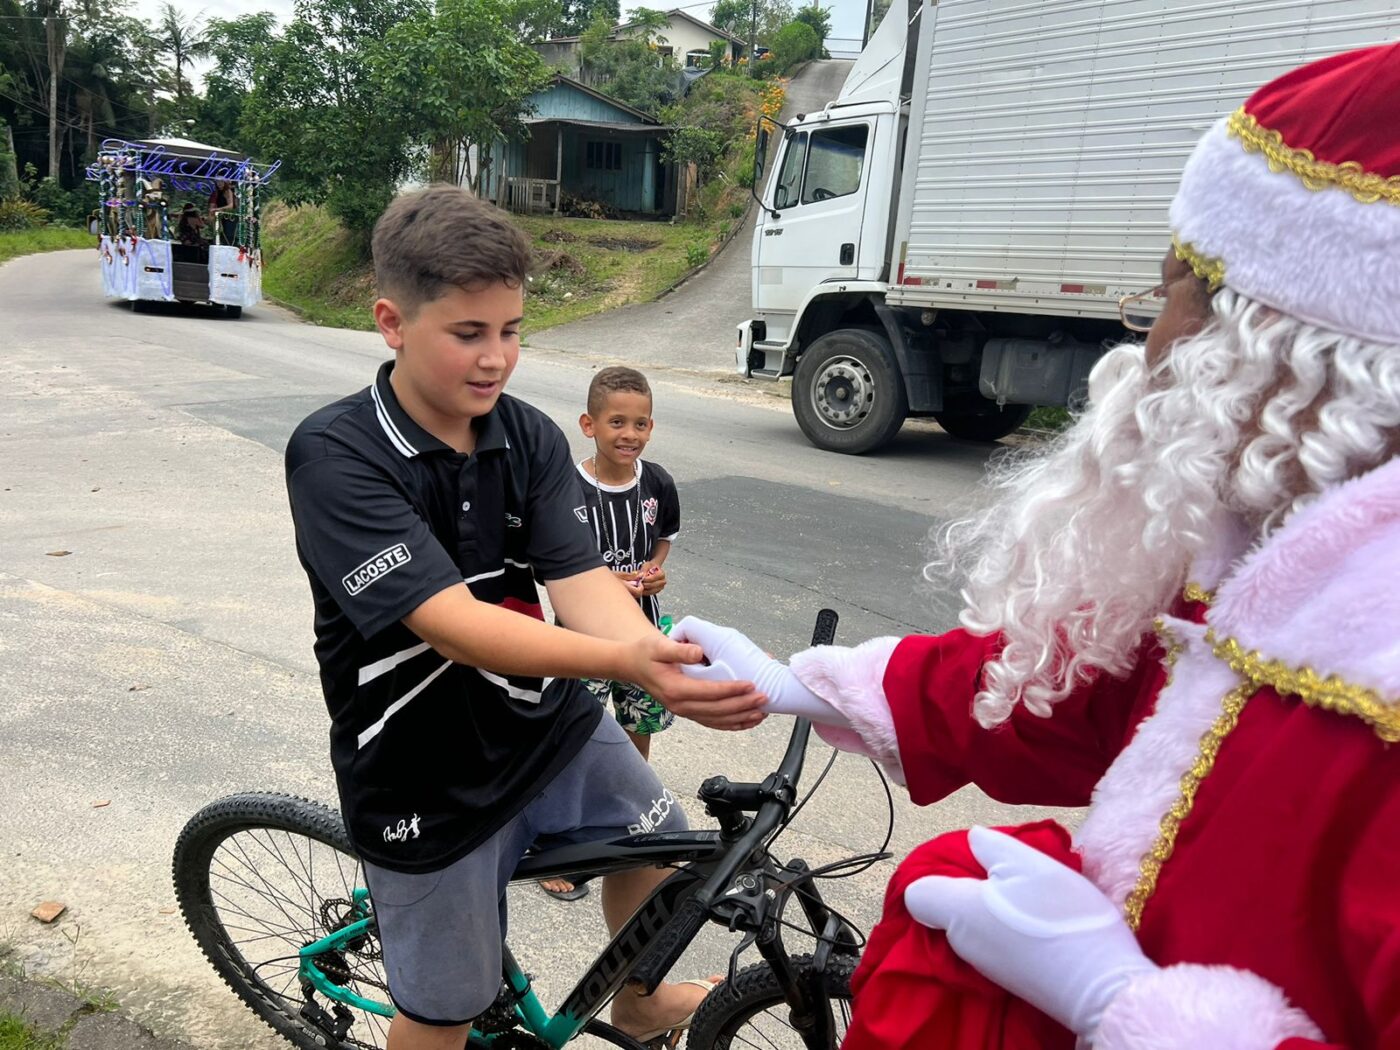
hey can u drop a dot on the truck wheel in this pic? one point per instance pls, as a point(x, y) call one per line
point(848, 395)
point(983, 423)
point(233, 311)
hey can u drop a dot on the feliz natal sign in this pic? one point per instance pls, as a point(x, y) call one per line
point(183, 171)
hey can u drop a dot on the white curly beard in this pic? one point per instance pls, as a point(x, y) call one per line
point(1088, 540)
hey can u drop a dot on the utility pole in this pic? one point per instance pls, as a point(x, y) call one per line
point(55, 49)
point(753, 40)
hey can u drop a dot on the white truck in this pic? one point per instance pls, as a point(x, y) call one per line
point(952, 235)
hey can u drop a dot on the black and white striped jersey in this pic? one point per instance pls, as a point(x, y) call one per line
point(628, 520)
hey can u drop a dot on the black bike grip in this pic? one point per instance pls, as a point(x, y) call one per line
point(669, 945)
point(824, 633)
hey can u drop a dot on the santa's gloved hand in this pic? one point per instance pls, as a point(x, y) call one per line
point(1035, 927)
point(734, 658)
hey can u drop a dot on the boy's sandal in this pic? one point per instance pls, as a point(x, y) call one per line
point(670, 1036)
point(579, 891)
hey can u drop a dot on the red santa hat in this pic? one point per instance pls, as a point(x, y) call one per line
point(1294, 199)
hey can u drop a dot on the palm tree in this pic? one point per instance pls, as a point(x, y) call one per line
point(183, 38)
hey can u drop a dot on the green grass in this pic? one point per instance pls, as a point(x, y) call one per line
point(16, 1035)
point(587, 265)
point(312, 265)
point(14, 243)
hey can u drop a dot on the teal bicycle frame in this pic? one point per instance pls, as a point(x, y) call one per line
point(702, 849)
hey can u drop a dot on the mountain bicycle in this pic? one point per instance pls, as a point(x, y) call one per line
point(271, 890)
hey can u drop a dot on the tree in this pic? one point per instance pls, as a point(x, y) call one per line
point(104, 85)
point(630, 70)
point(794, 43)
point(818, 17)
point(732, 16)
point(459, 77)
point(183, 38)
point(577, 15)
point(238, 46)
point(315, 105)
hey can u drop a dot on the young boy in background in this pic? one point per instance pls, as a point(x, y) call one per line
point(633, 510)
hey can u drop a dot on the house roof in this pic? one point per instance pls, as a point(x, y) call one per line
point(560, 78)
point(602, 125)
point(675, 13)
point(679, 13)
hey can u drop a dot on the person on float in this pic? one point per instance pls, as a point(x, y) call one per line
point(1185, 614)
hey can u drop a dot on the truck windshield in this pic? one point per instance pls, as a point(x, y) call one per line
point(835, 158)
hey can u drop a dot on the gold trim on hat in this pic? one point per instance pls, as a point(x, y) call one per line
point(1206, 267)
point(1367, 187)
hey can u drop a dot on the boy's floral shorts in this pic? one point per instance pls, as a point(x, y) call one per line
point(634, 707)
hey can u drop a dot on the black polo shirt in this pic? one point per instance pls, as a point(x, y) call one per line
point(432, 757)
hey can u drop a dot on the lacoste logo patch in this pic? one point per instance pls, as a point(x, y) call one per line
point(376, 568)
point(582, 514)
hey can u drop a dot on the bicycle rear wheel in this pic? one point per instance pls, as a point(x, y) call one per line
point(259, 876)
point(751, 1012)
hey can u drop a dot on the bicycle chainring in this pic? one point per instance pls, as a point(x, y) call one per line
point(518, 1040)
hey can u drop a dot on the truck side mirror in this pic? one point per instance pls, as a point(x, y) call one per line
point(760, 154)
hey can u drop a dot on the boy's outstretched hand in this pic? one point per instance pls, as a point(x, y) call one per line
point(718, 705)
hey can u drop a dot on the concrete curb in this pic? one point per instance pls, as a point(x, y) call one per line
point(77, 1024)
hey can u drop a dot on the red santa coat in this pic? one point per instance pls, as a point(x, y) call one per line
point(1243, 780)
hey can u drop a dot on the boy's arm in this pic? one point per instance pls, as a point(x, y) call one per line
point(659, 552)
point(593, 603)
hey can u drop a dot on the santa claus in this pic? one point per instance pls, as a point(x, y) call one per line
point(1184, 614)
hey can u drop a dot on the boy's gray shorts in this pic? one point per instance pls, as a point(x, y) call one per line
point(442, 931)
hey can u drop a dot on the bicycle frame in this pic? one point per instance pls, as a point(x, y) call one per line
point(670, 918)
point(698, 851)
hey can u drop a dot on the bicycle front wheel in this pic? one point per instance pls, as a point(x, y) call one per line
point(751, 1012)
point(260, 876)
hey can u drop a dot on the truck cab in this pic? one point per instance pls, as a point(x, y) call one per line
point(832, 170)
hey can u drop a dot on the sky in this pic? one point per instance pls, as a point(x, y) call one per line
point(846, 15)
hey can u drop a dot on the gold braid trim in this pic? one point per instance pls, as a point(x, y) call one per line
point(1196, 593)
point(1367, 187)
point(1151, 865)
point(1331, 693)
point(1206, 267)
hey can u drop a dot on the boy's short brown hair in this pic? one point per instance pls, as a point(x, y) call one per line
point(614, 379)
point(442, 237)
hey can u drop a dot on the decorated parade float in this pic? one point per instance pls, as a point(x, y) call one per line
point(179, 222)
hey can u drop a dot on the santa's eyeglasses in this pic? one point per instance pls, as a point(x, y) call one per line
point(1139, 311)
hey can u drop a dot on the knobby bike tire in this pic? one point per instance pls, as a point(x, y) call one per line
point(720, 1020)
point(197, 855)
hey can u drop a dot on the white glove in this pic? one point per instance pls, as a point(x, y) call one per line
point(734, 658)
point(1035, 927)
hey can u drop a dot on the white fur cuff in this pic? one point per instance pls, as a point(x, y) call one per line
point(852, 681)
point(1186, 1007)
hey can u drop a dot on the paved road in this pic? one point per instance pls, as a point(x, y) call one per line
point(694, 326)
point(155, 628)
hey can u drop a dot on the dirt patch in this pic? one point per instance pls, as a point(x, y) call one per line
point(558, 236)
point(564, 263)
point(625, 244)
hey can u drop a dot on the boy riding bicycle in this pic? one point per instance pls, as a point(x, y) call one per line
point(426, 506)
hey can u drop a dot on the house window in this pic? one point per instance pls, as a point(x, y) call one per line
point(603, 156)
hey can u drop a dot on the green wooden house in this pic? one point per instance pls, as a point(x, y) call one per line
point(584, 144)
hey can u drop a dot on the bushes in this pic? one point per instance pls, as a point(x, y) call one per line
point(795, 42)
point(16, 213)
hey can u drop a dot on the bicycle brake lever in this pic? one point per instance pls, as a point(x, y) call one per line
point(746, 943)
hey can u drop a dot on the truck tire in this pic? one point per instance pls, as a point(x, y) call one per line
point(848, 395)
point(985, 422)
